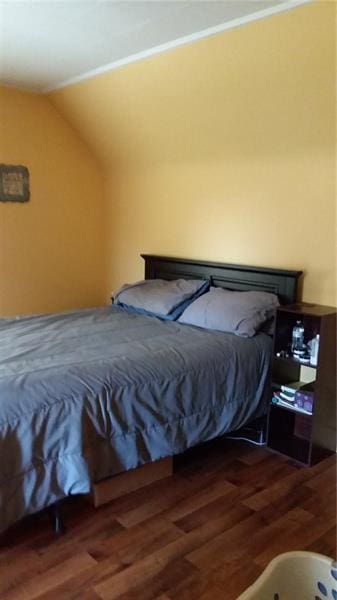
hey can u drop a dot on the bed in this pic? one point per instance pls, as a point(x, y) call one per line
point(88, 394)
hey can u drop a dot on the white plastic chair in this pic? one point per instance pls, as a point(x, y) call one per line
point(296, 576)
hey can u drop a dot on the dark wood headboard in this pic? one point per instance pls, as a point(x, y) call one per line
point(232, 277)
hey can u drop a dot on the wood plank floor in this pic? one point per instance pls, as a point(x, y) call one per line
point(205, 533)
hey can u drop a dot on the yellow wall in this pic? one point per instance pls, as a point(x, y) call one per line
point(51, 248)
point(222, 149)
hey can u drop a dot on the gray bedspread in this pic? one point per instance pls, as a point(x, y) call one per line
point(90, 393)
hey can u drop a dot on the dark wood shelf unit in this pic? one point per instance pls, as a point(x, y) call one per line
point(291, 433)
point(304, 437)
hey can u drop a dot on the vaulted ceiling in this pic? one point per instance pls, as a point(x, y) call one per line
point(48, 44)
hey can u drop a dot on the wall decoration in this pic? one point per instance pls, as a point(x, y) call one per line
point(14, 183)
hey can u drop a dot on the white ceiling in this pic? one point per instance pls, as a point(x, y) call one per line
point(47, 44)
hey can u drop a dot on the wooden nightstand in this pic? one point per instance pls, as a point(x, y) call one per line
point(298, 432)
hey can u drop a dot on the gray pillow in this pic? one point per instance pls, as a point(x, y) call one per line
point(241, 313)
point(160, 297)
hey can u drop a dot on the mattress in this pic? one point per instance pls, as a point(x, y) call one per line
point(90, 393)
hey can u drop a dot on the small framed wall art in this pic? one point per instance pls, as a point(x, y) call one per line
point(14, 183)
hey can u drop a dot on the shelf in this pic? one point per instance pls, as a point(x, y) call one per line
point(293, 431)
point(294, 361)
point(290, 432)
point(308, 309)
point(295, 448)
point(291, 408)
point(307, 386)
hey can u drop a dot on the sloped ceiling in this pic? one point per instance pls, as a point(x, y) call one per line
point(213, 100)
point(48, 44)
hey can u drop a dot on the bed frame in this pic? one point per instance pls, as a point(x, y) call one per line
point(233, 277)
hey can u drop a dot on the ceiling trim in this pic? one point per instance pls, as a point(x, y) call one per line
point(261, 14)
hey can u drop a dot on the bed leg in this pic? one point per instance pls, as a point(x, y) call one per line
point(56, 519)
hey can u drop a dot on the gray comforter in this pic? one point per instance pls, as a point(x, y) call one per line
point(90, 393)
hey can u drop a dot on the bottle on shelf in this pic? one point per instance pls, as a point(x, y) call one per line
point(297, 339)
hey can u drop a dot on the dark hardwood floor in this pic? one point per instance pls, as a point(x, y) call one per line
point(205, 533)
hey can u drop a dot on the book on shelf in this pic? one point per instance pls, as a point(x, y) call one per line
point(292, 387)
point(304, 399)
point(288, 397)
point(291, 405)
point(277, 395)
